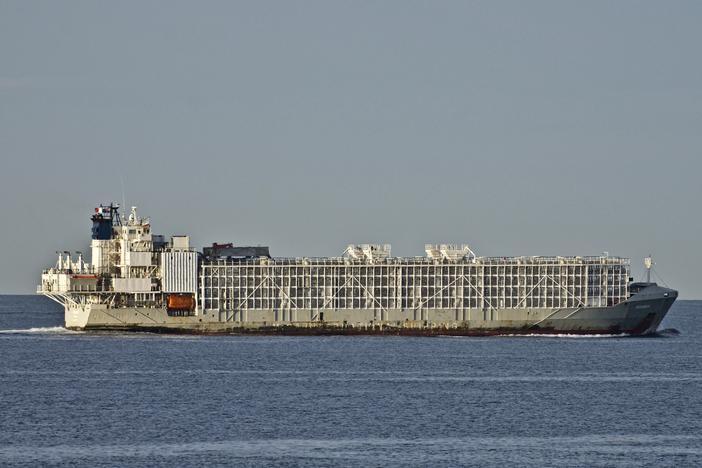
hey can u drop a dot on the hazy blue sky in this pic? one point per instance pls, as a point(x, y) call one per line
point(520, 127)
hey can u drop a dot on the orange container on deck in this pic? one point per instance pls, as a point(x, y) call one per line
point(181, 302)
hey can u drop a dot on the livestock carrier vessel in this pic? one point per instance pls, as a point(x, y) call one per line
point(137, 280)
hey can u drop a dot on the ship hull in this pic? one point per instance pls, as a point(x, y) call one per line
point(639, 315)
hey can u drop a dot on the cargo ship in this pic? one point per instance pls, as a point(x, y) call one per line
point(139, 281)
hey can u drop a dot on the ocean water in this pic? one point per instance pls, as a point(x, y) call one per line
point(82, 399)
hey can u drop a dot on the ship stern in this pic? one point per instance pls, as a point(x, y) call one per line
point(76, 316)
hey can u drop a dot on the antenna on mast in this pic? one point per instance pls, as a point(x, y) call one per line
point(121, 180)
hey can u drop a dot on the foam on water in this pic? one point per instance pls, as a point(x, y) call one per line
point(41, 330)
point(566, 335)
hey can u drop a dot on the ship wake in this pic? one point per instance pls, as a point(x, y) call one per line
point(566, 335)
point(40, 330)
point(667, 333)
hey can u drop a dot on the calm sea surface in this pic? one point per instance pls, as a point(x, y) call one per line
point(82, 399)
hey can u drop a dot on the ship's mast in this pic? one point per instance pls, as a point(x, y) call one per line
point(648, 263)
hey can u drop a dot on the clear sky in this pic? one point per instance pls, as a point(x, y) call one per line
point(521, 128)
